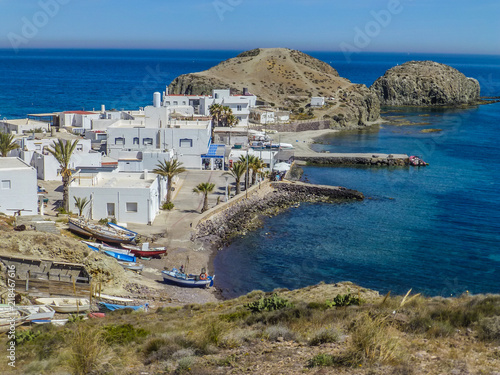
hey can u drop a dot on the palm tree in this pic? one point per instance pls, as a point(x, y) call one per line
point(7, 143)
point(204, 188)
point(231, 120)
point(216, 112)
point(81, 203)
point(236, 171)
point(256, 165)
point(169, 169)
point(62, 151)
point(246, 160)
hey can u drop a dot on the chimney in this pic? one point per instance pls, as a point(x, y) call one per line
point(245, 91)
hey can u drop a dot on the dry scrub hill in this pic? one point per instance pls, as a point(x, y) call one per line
point(288, 79)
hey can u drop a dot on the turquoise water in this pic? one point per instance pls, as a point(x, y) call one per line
point(433, 229)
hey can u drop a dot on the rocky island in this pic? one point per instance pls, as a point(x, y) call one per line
point(425, 83)
point(286, 78)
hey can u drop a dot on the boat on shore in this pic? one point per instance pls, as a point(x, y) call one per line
point(119, 254)
point(11, 317)
point(417, 162)
point(132, 266)
point(65, 304)
point(203, 280)
point(144, 250)
point(108, 307)
point(100, 232)
point(37, 312)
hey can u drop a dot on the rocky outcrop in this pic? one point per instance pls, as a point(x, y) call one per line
point(286, 78)
point(425, 83)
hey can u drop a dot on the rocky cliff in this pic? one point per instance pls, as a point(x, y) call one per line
point(425, 83)
point(288, 79)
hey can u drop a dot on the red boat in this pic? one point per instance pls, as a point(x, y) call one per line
point(144, 251)
point(417, 162)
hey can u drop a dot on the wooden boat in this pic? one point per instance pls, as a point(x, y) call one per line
point(417, 162)
point(133, 266)
point(103, 306)
point(11, 317)
point(38, 312)
point(188, 280)
point(122, 230)
point(144, 251)
point(115, 298)
point(65, 304)
point(119, 254)
point(56, 322)
point(99, 232)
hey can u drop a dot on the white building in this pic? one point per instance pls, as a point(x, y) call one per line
point(317, 101)
point(127, 197)
point(267, 156)
point(21, 126)
point(78, 121)
point(239, 104)
point(18, 187)
point(34, 152)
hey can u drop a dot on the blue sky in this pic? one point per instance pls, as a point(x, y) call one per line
point(447, 26)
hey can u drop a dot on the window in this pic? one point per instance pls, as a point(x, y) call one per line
point(136, 140)
point(238, 107)
point(5, 184)
point(101, 137)
point(110, 209)
point(183, 102)
point(147, 141)
point(167, 102)
point(119, 141)
point(38, 147)
point(79, 147)
point(131, 206)
point(175, 103)
point(185, 142)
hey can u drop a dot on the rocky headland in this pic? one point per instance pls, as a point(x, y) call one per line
point(285, 78)
point(425, 83)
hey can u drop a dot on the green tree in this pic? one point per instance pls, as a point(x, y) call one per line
point(81, 203)
point(169, 169)
point(62, 151)
point(216, 111)
point(7, 144)
point(256, 165)
point(231, 120)
point(204, 188)
point(246, 160)
point(236, 171)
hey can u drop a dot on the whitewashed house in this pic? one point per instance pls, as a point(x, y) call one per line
point(78, 121)
point(127, 197)
point(18, 187)
point(239, 104)
point(34, 152)
point(21, 126)
point(317, 101)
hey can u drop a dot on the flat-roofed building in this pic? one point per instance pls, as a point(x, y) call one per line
point(18, 187)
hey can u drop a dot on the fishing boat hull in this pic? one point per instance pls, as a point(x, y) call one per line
point(65, 305)
point(145, 251)
point(133, 266)
point(190, 281)
point(38, 312)
point(103, 306)
point(120, 256)
point(99, 232)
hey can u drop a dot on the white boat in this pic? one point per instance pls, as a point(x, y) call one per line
point(56, 322)
point(10, 317)
point(37, 312)
point(179, 278)
point(65, 304)
point(133, 266)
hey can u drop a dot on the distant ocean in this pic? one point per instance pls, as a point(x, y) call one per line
point(433, 229)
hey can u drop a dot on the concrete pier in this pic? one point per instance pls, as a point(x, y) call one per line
point(374, 159)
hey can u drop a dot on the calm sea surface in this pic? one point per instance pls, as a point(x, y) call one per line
point(433, 229)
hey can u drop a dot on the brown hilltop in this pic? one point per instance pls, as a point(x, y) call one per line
point(287, 78)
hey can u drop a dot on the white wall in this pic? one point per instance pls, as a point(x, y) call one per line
point(18, 189)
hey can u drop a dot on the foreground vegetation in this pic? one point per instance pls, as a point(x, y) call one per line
point(338, 328)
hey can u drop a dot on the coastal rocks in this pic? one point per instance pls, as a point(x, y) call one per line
point(425, 83)
point(373, 160)
point(286, 79)
point(245, 215)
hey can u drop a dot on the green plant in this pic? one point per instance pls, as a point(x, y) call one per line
point(325, 335)
point(321, 360)
point(87, 350)
point(167, 206)
point(489, 329)
point(274, 302)
point(123, 334)
point(342, 300)
point(81, 203)
point(75, 318)
point(23, 337)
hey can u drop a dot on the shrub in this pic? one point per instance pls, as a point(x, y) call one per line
point(489, 328)
point(342, 300)
point(87, 350)
point(324, 336)
point(269, 304)
point(321, 360)
point(123, 334)
point(167, 206)
point(278, 333)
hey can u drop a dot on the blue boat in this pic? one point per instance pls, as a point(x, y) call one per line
point(103, 306)
point(120, 256)
point(198, 281)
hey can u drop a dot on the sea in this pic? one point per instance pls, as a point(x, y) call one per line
point(434, 229)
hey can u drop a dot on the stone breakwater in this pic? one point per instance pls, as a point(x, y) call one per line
point(246, 214)
point(353, 159)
